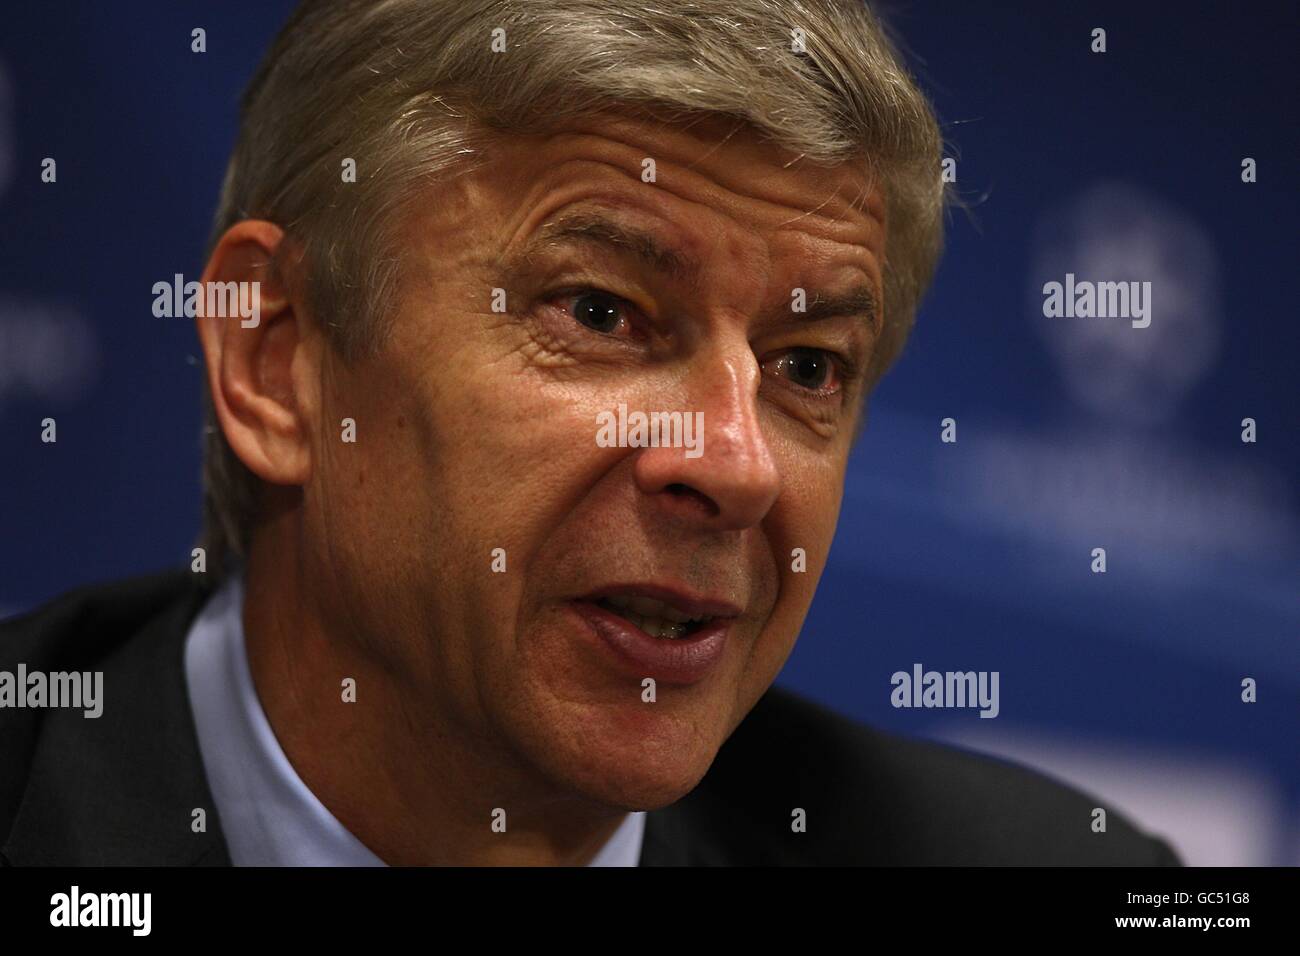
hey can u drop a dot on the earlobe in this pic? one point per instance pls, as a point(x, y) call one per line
point(259, 352)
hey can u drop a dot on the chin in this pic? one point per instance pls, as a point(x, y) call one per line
point(631, 771)
point(640, 786)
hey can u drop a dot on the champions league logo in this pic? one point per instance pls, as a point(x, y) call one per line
point(1116, 236)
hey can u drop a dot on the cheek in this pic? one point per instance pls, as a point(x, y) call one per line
point(471, 466)
point(801, 530)
point(371, 499)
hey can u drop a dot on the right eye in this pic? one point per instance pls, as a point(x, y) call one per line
point(599, 311)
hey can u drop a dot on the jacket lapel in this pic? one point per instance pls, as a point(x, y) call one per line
point(121, 789)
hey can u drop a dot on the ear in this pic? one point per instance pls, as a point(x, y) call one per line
point(263, 361)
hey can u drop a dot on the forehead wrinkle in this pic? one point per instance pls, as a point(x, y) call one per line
point(737, 127)
point(713, 188)
point(809, 212)
point(861, 201)
point(704, 190)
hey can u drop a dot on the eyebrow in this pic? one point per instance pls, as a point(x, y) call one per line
point(598, 230)
point(595, 229)
point(856, 302)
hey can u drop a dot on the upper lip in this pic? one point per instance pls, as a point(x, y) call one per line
point(688, 602)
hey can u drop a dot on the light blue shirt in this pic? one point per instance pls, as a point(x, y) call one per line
point(267, 814)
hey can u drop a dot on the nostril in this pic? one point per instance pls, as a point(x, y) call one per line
point(679, 490)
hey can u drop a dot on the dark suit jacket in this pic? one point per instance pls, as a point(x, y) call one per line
point(120, 789)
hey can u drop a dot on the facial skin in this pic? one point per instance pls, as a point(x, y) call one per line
point(476, 430)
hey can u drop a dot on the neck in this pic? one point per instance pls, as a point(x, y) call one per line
point(414, 785)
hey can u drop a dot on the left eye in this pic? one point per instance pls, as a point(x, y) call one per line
point(812, 369)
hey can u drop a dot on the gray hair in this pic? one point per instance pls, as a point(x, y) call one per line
point(413, 91)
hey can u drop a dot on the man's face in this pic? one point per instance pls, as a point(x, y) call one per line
point(477, 431)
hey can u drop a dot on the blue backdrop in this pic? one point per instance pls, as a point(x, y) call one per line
point(1072, 434)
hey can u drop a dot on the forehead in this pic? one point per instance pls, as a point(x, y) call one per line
point(706, 168)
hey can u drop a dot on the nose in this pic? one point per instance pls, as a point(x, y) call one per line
point(733, 481)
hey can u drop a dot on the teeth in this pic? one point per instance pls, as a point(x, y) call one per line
point(656, 627)
point(649, 607)
point(654, 624)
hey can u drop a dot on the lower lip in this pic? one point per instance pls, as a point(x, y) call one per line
point(685, 660)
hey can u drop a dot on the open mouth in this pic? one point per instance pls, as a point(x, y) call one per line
point(659, 631)
point(654, 617)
